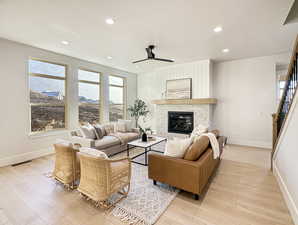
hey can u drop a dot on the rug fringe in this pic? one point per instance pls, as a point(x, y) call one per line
point(128, 217)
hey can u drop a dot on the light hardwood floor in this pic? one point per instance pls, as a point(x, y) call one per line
point(240, 193)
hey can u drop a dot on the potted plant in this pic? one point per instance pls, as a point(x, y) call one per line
point(137, 110)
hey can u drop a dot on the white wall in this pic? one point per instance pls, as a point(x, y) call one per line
point(151, 85)
point(285, 161)
point(246, 92)
point(16, 143)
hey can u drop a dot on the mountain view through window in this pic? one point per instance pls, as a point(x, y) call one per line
point(47, 95)
point(89, 97)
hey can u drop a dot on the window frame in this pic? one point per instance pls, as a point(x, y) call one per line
point(100, 110)
point(281, 89)
point(124, 94)
point(53, 77)
point(280, 78)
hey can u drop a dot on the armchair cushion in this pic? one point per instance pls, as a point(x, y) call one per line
point(84, 142)
point(94, 152)
point(63, 143)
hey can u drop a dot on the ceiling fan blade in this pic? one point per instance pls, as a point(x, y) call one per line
point(164, 60)
point(142, 60)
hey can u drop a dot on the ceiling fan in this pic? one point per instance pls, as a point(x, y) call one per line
point(151, 56)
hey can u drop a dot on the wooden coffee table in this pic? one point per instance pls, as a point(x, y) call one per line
point(146, 146)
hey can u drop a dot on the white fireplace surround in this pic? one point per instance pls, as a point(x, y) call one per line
point(151, 86)
point(202, 114)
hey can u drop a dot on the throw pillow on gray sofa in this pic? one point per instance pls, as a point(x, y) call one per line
point(100, 131)
point(88, 132)
point(128, 124)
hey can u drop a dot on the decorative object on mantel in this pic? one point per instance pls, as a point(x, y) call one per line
point(179, 89)
point(194, 101)
point(137, 110)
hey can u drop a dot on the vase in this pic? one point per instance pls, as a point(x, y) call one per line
point(144, 137)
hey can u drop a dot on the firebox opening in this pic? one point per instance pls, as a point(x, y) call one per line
point(180, 122)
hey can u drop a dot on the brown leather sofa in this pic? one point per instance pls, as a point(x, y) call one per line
point(186, 174)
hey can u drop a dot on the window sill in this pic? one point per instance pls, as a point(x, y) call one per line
point(34, 135)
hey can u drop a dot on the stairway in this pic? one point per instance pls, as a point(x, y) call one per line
point(285, 104)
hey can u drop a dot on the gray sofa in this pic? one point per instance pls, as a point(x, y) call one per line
point(111, 144)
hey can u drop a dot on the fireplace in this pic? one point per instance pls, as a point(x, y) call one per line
point(180, 122)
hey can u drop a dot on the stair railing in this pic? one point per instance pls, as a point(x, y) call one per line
point(290, 89)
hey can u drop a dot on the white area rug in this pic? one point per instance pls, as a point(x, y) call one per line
point(145, 202)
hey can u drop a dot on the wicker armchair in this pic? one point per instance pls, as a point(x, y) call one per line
point(67, 165)
point(100, 178)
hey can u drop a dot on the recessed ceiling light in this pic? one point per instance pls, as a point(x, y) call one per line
point(65, 42)
point(109, 57)
point(110, 21)
point(217, 29)
point(225, 50)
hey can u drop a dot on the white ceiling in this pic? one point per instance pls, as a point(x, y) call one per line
point(181, 29)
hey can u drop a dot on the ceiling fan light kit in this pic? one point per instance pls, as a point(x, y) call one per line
point(151, 56)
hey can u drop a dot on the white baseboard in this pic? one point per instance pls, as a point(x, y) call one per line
point(286, 194)
point(252, 143)
point(25, 156)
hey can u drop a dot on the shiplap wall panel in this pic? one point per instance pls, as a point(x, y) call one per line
point(151, 85)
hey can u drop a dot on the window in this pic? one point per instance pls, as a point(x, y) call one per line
point(281, 86)
point(47, 95)
point(117, 98)
point(89, 97)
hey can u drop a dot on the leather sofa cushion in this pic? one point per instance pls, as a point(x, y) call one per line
point(106, 142)
point(197, 148)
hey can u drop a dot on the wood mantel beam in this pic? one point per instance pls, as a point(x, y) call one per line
point(194, 101)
